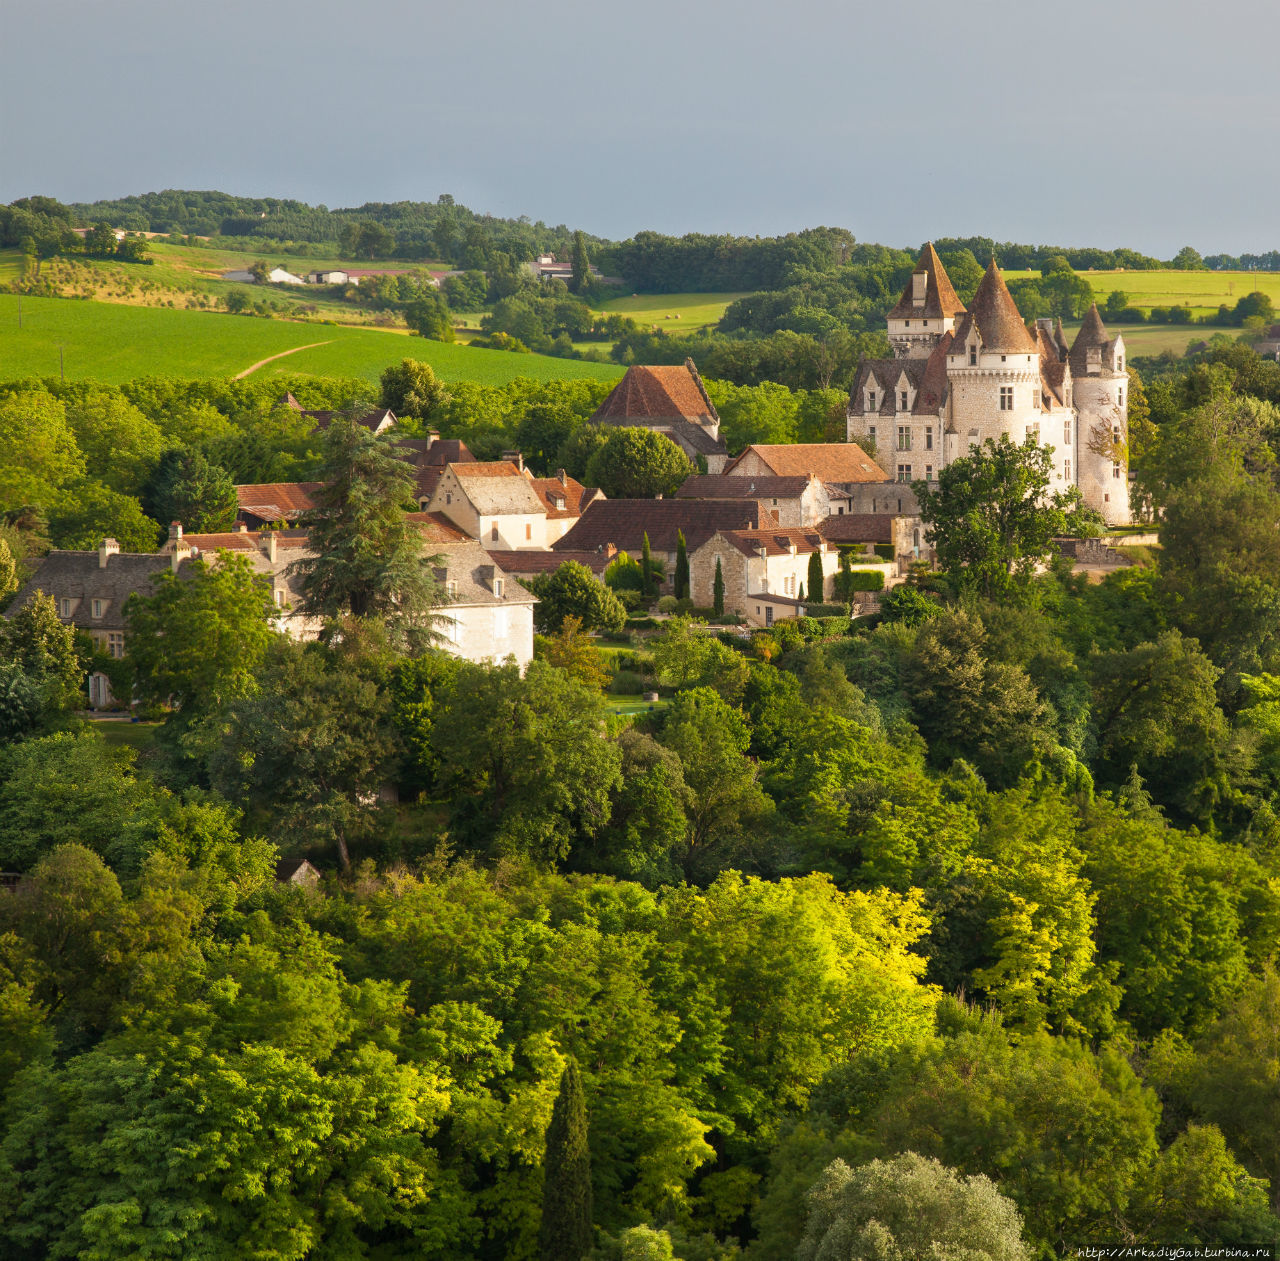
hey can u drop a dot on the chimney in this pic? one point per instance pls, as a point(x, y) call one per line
point(563, 476)
point(175, 531)
point(181, 551)
point(108, 547)
point(242, 527)
point(271, 546)
point(433, 436)
point(610, 550)
point(762, 552)
point(514, 457)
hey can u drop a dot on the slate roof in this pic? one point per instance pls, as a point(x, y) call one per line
point(996, 315)
point(726, 486)
point(471, 568)
point(238, 541)
point(497, 488)
point(834, 462)
point(624, 523)
point(931, 393)
point(940, 298)
point(657, 392)
point(79, 577)
point(1092, 336)
point(277, 501)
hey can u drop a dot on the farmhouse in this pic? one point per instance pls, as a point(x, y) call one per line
point(764, 570)
point(960, 376)
point(488, 615)
point(671, 401)
point(493, 502)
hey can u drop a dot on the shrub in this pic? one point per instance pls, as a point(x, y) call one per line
point(642, 623)
point(629, 683)
point(668, 604)
point(884, 551)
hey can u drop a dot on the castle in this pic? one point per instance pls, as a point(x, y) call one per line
point(960, 376)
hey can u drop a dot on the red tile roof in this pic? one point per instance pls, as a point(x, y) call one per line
point(624, 523)
point(273, 501)
point(831, 461)
point(563, 499)
point(435, 527)
point(531, 562)
point(858, 527)
point(727, 486)
point(658, 393)
point(775, 541)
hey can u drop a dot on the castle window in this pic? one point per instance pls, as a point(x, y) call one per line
point(1066, 469)
point(1120, 364)
point(64, 607)
point(1006, 398)
point(904, 475)
point(1115, 468)
point(97, 608)
point(278, 595)
point(904, 437)
point(928, 437)
point(903, 406)
point(1115, 434)
point(928, 472)
point(871, 433)
point(1033, 432)
point(448, 496)
point(1066, 433)
point(926, 323)
point(973, 356)
point(1120, 398)
point(871, 400)
point(115, 645)
point(908, 324)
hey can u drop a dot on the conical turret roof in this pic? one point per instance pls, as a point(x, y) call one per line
point(940, 297)
point(996, 314)
point(1092, 335)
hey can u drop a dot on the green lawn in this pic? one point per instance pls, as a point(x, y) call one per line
point(695, 310)
point(125, 734)
point(113, 343)
point(1202, 291)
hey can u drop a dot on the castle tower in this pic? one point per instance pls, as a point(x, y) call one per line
point(927, 309)
point(1101, 389)
point(993, 370)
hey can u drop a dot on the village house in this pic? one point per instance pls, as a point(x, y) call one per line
point(565, 499)
point(487, 614)
point(803, 500)
point(429, 457)
point(493, 502)
point(272, 503)
point(622, 524)
point(671, 401)
point(764, 571)
point(960, 376)
point(905, 534)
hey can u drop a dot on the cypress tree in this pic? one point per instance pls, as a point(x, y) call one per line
point(646, 569)
point(565, 1233)
point(580, 264)
point(717, 590)
point(817, 583)
point(682, 567)
point(800, 594)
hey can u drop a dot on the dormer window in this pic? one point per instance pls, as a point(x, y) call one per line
point(973, 356)
point(451, 588)
point(903, 400)
point(64, 607)
point(97, 608)
point(919, 286)
point(499, 586)
point(871, 400)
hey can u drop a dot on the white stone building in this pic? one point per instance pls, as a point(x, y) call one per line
point(960, 376)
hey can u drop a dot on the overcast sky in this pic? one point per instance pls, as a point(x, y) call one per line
point(1148, 123)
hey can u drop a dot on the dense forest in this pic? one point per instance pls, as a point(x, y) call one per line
point(972, 904)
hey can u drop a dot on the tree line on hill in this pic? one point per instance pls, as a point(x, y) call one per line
point(963, 919)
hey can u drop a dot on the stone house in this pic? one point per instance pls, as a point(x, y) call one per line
point(670, 400)
point(565, 499)
point(430, 456)
point(835, 463)
point(488, 614)
point(763, 570)
point(802, 500)
point(904, 533)
point(269, 503)
point(492, 502)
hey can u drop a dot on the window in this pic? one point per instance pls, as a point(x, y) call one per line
point(493, 533)
point(904, 474)
point(871, 400)
point(499, 586)
point(871, 432)
point(1115, 434)
point(1066, 469)
point(528, 531)
point(973, 356)
point(448, 496)
point(1066, 433)
point(904, 437)
point(64, 607)
point(1033, 432)
point(926, 323)
point(451, 588)
point(115, 644)
point(1120, 364)
point(278, 593)
point(1120, 398)
point(789, 585)
point(908, 323)
point(902, 406)
point(1006, 398)
point(97, 608)
point(928, 437)
point(1115, 468)
point(928, 472)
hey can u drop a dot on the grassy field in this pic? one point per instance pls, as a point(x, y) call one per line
point(1155, 339)
point(1202, 291)
point(114, 343)
point(673, 312)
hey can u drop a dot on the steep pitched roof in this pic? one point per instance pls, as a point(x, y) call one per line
point(276, 501)
point(858, 527)
point(657, 392)
point(497, 488)
point(726, 486)
point(81, 578)
point(996, 315)
point(1092, 336)
point(835, 462)
point(532, 562)
point(624, 523)
point(436, 528)
point(940, 298)
point(931, 393)
point(774, 541)
point(886, 376)
point(471, 571)
point(375, 421)
point(563, 496)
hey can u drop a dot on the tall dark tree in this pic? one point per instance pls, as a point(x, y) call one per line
point(366, 559)
point(190, 488)
point(646, 568)
point(682, 566)
point(580, 263)
point(817, 581)
point(717, 590)
point(565, 1234)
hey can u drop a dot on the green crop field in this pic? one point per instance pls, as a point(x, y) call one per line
point(673, 312)
point(1202, 291)
point(114, 343)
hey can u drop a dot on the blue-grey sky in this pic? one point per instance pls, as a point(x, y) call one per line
point(1149, 123)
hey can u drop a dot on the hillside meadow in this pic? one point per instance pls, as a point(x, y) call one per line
point(1202, 291)
point(113, 343)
